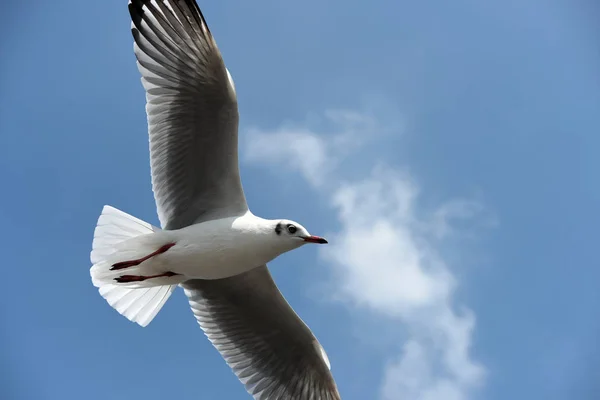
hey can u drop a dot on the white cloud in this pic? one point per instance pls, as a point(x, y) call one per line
point(296, 149)
point(392, 267)
point(314, 155)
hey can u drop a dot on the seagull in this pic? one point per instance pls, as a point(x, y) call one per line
point(209, 242)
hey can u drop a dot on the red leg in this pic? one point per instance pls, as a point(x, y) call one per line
point(131, 263)
point(140, 278)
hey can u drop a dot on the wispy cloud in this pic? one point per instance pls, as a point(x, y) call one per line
point(394, 269)
point(314, 155)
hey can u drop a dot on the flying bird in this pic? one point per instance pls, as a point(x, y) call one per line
point(209, 242)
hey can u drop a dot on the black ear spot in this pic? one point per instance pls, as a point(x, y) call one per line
point(278, 228)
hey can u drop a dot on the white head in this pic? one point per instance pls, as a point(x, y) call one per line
point(292, 235)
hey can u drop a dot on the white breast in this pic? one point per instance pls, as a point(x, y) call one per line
point(220, 248)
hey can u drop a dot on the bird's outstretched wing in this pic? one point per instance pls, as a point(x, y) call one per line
point(269, 348)
point(192, 114)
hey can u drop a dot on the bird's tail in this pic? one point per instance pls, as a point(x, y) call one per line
point(121, 245)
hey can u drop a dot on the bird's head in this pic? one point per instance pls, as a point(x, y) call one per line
point(295, 234)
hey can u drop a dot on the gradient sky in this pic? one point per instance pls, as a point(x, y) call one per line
point(449, 150)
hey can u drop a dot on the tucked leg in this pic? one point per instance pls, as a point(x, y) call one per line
point(132, 263)
point(140, 278)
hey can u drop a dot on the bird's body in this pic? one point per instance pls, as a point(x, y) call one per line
point(214, 249)
point(221, 248)
point(209, 242)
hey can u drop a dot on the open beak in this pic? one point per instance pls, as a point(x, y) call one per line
point(314, 239)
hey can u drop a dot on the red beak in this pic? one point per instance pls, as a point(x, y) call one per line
point(315, 239)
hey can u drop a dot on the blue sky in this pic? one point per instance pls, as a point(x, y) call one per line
point(449, 152)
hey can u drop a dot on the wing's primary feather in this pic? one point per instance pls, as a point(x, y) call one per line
point(269, 348)
point(192, 114)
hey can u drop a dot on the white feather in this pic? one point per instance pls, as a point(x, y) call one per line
point(119, 236)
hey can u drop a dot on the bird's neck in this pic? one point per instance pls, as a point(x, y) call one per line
point(254, 225)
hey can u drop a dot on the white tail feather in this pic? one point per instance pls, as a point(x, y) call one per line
point(137, 305)
point(113, 242)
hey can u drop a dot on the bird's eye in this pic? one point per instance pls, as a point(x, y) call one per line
point(291, 229)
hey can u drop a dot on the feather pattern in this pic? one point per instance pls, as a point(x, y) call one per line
point(269, 348)
point(192, 114)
